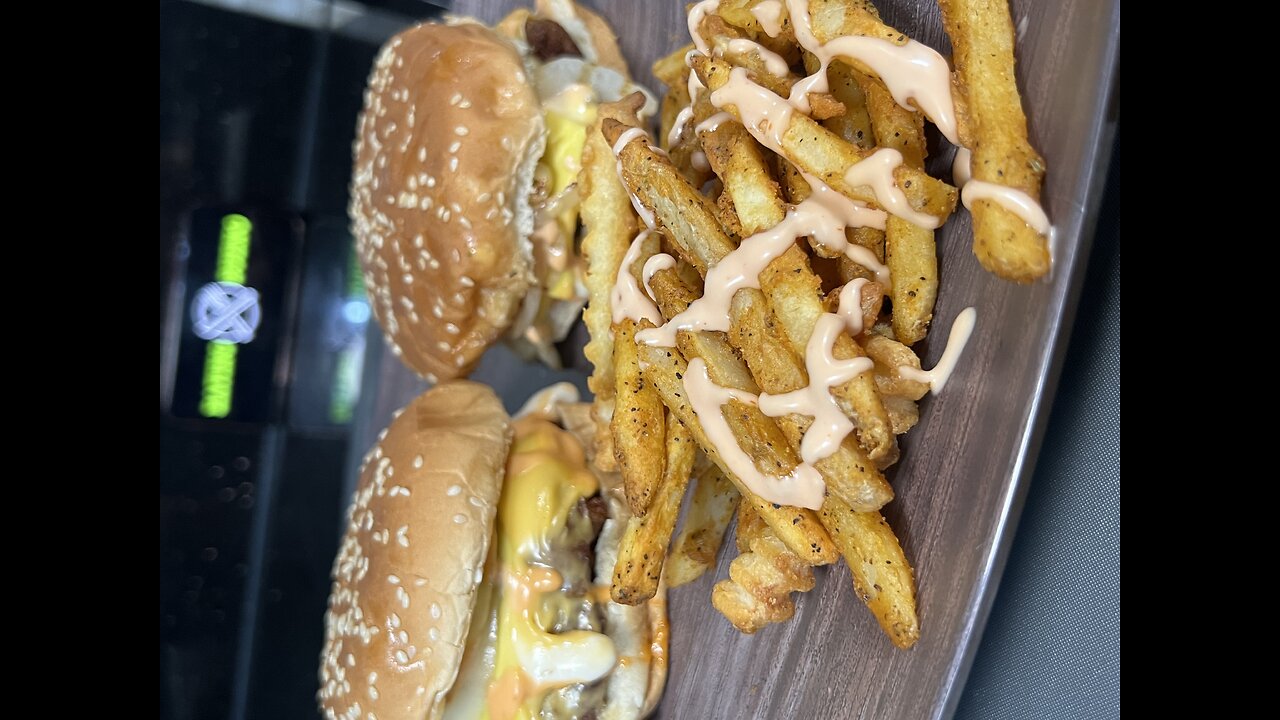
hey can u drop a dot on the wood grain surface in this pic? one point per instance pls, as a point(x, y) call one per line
point(965, 467)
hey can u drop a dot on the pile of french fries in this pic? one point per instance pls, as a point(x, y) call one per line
point(709, 186)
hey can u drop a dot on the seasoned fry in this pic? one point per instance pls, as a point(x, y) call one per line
point(609, 224)
point(761, 580)
point(750, 527)
point(644, 545)
point(882, 577)
point(638, 426)
point(848, 473)
point(798, 528)
point(910, 251)
point(711, 507)
point(981, 33)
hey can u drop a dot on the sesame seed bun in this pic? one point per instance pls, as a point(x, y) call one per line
point(411, 563)
point(445, 152)
point(406, 574)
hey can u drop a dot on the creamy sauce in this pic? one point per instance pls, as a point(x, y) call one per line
point(876, 172)
point(911, 72)
point(677, 128)
point(544, 402)
point(851, 305)
point(696, 14)
point(830, 424)
point(769, 14)
point(937, 378)
point(626, 299)
point(713, 122)
point(803, 487)
point(773, 62)
point(1012, 199)
point(653, 265)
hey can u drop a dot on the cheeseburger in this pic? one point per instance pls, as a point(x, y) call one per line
point(473, 578)
point(463, 194)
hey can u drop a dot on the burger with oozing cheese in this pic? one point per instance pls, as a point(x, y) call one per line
point(463, 197)
point(473, 577)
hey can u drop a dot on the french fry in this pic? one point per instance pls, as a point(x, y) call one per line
point(643, 549)
point(798, 528)
point(638, 424)
point(882, 577)
point(982, 40)
point(609, 224)
point(711, 507)
point(824, 154)
point(761, 580)
point(910, 251)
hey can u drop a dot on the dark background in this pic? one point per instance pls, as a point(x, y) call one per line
point(257, 114)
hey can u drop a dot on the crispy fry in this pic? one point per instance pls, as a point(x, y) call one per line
point(882, 577)
point(711, 506)
point(822, 153)
point(644, 545)
point(609, 224)
point(761, 580)
point(981, 33)
point(638, 421)
point(910, 251)
point(848, 473)
point(759, 437)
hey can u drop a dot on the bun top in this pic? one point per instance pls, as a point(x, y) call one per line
point(445, 150)
point(406, 575)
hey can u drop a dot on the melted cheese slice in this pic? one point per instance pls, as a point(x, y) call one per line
point(514, 662)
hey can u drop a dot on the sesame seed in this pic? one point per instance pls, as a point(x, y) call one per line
point(434, 634)
point(393, 579)
point(454, 146)
point(453, 163)
point(444, 346)
point(435, 611)
point(460, 519)
point(402, 657)
point(422, 154)
point(464, 104)
point(417, 461)
point(455, 99)
point(373, 693)
point(460, 131)
point(453, 490)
